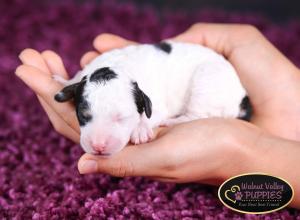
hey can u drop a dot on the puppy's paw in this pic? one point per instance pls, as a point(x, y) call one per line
point(141, 134)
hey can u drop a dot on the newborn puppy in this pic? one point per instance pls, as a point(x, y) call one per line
point(125, 93)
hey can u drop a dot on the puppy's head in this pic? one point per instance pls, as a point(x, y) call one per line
point(108, 107)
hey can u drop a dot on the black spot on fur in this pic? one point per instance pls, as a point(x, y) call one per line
point(246, 108)
point(82, 105)
point(164, 46)
point(142, 101)
point(103, 75)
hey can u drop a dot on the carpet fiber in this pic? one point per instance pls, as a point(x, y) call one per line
point(38, 173)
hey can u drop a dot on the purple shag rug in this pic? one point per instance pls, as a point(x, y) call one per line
point(38, 172)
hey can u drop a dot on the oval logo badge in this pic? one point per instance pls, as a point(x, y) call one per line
point(255, 193)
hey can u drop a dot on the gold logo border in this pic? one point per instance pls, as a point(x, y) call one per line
point(265, 212)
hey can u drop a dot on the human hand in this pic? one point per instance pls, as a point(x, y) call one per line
point(106, 42)
point(271, 80)
point(36, 71)
point(201, 149)
point(190, 159)
point(206, 151)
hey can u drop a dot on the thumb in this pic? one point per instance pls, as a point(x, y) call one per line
point(133, 160)
point(106, 42)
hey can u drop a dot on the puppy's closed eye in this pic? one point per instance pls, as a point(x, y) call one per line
point(120, 118)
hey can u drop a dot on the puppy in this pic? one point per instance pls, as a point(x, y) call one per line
point(125, 93)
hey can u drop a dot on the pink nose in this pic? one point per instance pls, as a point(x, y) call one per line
point(98, 147)
point(101, 145)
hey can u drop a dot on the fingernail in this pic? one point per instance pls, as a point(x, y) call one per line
point(88, 166)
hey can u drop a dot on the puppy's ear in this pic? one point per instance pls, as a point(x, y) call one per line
point(142, 101)
point(148, 105)
point(67, 93)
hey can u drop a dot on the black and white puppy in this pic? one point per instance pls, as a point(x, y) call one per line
point(125, 93)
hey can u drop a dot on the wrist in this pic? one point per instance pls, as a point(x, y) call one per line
point(260, 152)
point(241, 151)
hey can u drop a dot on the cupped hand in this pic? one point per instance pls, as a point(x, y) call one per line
point(271, 80)
point(198, 150)
point(36, 71)
point(193, 151)
point(272, 83)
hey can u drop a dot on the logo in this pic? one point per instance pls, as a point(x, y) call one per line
point(255, 193)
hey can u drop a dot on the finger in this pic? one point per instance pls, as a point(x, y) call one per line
point(141, 160)
point(55, 64)
point(46, 87)
point(222, 38)
point(88, 57)
point(106, 42)
point(33, 58)
point(233, 40)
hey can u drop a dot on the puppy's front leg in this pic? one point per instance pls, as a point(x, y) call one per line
point(143, 133)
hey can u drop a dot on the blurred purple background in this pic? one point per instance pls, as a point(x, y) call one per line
point(38, 173)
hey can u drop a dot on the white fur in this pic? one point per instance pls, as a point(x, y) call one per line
point(191, 82)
